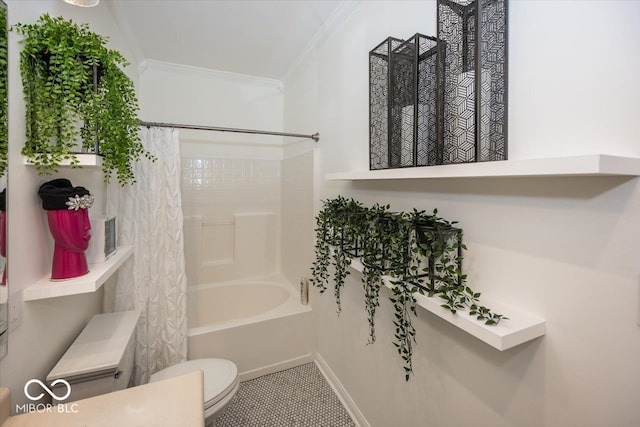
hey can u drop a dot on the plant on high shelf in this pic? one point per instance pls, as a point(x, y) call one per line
point(77, 99)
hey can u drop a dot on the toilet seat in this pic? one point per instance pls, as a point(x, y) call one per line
point(220, 377)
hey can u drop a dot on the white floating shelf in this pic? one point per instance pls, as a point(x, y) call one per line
point(83, 160)
point(588, 165)
point(90, 282)
point(516, 330)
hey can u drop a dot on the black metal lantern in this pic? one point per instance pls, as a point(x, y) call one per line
point(402, 103)
point(379, 90)
point(472, 61)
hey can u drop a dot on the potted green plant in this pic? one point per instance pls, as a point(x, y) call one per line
point(378, 241)
point(441, 244)
point(415, 251)
point(77, 99)
point(337, 239)
point(405, 266)
point(328, 238)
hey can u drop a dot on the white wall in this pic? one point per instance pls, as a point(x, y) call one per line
point(297, 216)
point(49, 326)
point(565, 249)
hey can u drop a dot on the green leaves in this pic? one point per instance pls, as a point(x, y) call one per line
point(341, 263)
point(66, 110)
point(420, 252)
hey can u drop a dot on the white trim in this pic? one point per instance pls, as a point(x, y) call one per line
point(81, 158)
point(276, 367)
point(90, 282)
point(170, 66)
point(348, 403)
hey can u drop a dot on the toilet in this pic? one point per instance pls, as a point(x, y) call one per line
point(101, 359)
point(220, 383)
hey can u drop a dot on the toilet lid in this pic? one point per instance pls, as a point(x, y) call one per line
point(220, 376)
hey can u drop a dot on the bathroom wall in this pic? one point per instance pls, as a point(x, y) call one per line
point(44, 329)
point(297, 214)
point(231, 215)
point(231, 183)
point(565, 249)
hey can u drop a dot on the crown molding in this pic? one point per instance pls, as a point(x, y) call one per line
point(170, 66)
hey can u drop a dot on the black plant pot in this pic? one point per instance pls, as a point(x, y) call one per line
point(384, 255)
point(355, 227)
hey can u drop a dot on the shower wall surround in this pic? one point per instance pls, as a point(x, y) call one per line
point(231, 216)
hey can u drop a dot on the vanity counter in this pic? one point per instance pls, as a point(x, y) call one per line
point(173, 402)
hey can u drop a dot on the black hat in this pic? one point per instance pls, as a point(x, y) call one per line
point(61, 194)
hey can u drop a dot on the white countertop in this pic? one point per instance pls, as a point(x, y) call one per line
point(173, 402)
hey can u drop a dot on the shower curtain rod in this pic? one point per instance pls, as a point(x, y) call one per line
point(315, 136)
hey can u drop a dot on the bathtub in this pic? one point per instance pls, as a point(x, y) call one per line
point(258, 323)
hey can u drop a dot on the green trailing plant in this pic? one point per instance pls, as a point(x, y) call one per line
point(441, 244)
point(347, 218)
point(415, 251)
point(404, 290)
point(327, 237)
point(322, 248)
point(77, 98)
point(379, 236)
point(341, 262)
point(334, 233)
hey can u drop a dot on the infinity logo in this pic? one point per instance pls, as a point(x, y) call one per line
point(47, 389)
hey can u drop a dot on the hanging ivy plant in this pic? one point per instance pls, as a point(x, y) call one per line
point(322, 248)
point(77, 97)
point(327, 237)
point(441, 244)
point(415, 251)
point(341, 263)
point(377, 242)
point(336, 232)
point(404, 302)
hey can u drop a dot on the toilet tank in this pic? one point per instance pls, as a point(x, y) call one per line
point(100, 360)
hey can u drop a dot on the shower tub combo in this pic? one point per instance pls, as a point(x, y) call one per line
point(259, 323)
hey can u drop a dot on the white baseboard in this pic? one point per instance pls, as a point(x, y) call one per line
point(280, 366)
point(357, 416)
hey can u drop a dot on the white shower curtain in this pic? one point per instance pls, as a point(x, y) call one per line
point(149, 216)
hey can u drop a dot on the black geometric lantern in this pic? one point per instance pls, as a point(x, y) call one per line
point(402, 103)
point(379, 90)
point(473, 76)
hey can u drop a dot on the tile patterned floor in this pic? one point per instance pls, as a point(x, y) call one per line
point(296, 397)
